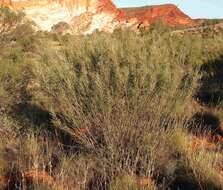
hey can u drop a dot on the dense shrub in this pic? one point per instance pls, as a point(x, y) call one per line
point(100, 111)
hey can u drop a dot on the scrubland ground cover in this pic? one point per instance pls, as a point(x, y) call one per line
point(109, 111)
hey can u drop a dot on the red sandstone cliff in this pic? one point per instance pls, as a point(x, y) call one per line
point(168, 13)
point(96, 14)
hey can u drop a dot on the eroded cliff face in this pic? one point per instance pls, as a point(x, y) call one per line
point(47, 13)
point(86, 16)
point(168, 13)
point(132, 18)
point(72, 5)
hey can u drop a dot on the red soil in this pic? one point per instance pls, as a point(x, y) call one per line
point(35, 176)
point(28, 177)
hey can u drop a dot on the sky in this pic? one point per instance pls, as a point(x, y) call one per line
point(193, 8)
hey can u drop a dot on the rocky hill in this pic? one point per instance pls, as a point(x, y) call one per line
point(169, 13)
point(86, 16)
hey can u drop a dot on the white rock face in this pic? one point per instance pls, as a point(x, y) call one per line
point(47, 13)
point(83, 16)
point(47, 16)
point(100, 21)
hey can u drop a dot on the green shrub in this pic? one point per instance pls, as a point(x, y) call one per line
point(102, 70)
point(110, 105)
point(10, 17)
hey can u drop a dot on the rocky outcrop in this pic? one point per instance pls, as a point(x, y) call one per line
point(47, 13)
point(170, 14)
point(86, 16)
point(5, 2)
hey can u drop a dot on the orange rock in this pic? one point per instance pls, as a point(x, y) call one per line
point(106, 5)
point(5, 2)
point(168, 13)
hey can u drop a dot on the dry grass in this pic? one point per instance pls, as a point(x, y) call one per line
point(106, 111)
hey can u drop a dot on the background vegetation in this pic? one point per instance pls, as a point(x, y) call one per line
point(109, 111)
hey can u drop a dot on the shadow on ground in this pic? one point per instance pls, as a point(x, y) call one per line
point(32, 114)
point(204, 122)
point(211, 90)
point(184, 184)
point(41, 121)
